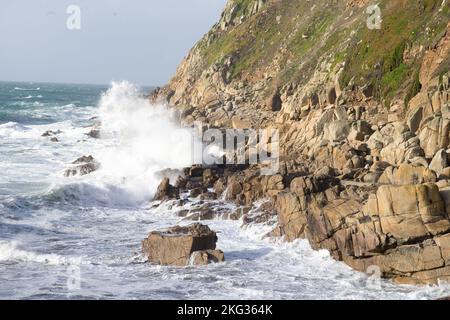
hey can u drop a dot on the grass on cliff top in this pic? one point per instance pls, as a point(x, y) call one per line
point(298, 35)
point(377, 57)
point(290, 26)
point(246, 41)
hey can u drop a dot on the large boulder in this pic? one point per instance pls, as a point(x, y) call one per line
point(439, 162)
point(409, 212)
point(336, 130)
point(395, 144)
point(407, 174)
point(176, 246)
point(434, 135)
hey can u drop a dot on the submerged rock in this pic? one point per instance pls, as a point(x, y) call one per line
point(50, 133)
point(94, 133)
point(180, 246)
point(84, 159)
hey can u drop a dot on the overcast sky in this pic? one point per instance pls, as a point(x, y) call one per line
point(142, 41)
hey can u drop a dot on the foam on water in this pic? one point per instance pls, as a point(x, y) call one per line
point(10, 252)
point(32, 97)
point(27, 89)
point(144, 139)
point(48, 221)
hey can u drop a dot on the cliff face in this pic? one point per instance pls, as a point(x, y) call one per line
point(364, 120)
point(286, 56)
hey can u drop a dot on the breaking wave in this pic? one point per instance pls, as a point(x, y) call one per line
point(10, 252)
point(141, 140)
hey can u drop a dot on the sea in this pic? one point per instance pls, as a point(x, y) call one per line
point(80, 237)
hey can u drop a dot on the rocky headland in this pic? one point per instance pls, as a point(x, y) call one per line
point(364, 121)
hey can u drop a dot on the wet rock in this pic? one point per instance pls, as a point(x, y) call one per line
point(205, 257)
point(193, 183)
point(208, 196)
point(207, 210)
point(238, 213)
point(234, 188)
point(94, 133)
point(181, 182)
point(209, 177)
point(84, 159)
point(84, 165)
point(194, 193)
point(201, 214)
point(50, 133)
point(196, 171)
point(175, 245)
point(182, 213)
point(166, 191)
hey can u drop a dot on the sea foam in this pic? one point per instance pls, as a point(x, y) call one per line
point(10, 252)
point(141, 140)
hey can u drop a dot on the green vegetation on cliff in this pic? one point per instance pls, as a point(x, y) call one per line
point(289, 39)
point(377, 56)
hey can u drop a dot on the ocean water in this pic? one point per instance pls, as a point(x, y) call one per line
point(79, 237)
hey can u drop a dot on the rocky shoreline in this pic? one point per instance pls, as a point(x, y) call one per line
point(404, 230)
point(364, 167)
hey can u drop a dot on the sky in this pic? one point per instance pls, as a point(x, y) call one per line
point(141, 41)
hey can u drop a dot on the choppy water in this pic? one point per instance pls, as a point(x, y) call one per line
point(63, 238)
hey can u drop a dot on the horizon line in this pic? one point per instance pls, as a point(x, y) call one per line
point(75, 83)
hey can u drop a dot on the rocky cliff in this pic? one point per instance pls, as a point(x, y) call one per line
point(364, 120)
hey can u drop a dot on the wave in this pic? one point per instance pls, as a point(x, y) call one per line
point(9, 128)
point(10, 252)
point(33, 97)
point(143, 139)
point(138, 140)
point(27, 89)
point(89, 193)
